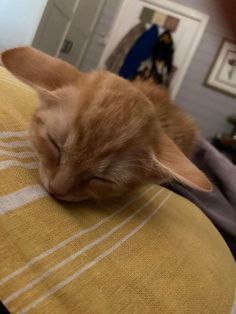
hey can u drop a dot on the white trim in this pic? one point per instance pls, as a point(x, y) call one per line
point(174, 8)
point(178, 8)
point(213, 79)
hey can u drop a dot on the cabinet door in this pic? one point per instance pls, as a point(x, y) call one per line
point(54, 25)
point(80, 31)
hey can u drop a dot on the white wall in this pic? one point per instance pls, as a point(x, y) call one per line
point(209, 107)
point(19, 20)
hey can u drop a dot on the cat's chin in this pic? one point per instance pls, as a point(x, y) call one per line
point(72, 198)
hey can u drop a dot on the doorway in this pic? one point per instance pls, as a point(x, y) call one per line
point(187, 36)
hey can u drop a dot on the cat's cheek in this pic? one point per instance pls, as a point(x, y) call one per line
point(100, 190)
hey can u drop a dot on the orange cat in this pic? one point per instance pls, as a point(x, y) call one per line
point(98, 135)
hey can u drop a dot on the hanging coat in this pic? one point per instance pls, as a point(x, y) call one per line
point(116, 59)
point(164, 49)
point(160, 64)
point(141, 50)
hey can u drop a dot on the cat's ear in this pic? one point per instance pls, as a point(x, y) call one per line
point(168, 162)
point(39, 69)
point(46, 97)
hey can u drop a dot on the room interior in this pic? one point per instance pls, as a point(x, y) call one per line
point(162, 249)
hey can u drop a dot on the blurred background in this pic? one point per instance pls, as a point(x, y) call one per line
point(184, 45)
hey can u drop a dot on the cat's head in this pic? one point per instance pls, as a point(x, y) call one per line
point(96, 134)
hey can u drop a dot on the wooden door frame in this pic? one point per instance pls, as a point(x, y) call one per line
point(172, 7)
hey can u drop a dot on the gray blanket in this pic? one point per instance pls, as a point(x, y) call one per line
point(220, 204)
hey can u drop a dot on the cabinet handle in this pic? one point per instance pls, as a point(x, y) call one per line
point(67, 46)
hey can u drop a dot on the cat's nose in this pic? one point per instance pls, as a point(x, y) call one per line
point(57, 194)
point(61, 185)
point(58, 190)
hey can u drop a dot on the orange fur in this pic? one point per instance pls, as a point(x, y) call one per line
point(98, 135)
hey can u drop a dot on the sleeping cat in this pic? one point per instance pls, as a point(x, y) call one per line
point(98, 135)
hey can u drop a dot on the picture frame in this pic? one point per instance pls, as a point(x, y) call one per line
point(222, 74)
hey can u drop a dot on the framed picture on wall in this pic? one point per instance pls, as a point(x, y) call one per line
point(222, 74)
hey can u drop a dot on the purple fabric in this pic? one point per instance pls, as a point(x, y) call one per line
point(220, 204)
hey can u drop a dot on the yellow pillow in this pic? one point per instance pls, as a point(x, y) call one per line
point(153, 252)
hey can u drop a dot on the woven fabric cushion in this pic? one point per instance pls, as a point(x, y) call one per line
point(151, 252)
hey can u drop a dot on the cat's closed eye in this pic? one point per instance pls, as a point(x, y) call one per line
point(56, 148)
point(97, 179)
